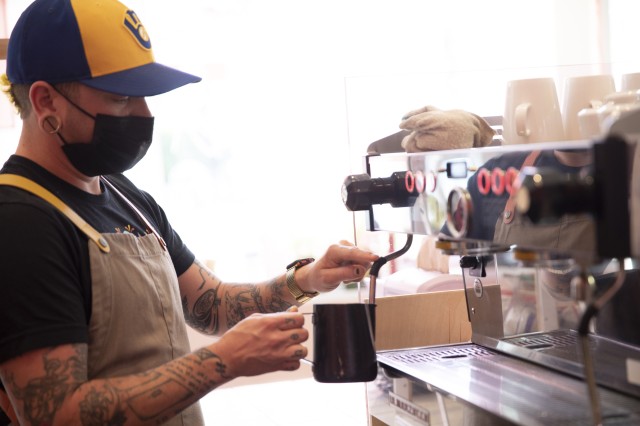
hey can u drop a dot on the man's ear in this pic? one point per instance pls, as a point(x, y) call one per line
point(43, 98)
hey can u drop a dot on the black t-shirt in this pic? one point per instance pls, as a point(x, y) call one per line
point(45, 284)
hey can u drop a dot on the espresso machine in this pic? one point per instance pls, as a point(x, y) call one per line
point(548, 241)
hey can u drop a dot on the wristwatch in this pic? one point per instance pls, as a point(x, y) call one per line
point(296, 291)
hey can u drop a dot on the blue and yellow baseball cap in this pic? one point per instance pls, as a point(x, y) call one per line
point(100, 43)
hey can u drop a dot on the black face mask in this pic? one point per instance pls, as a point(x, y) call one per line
point(118, 143)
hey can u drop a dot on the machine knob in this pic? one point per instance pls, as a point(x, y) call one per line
point(360, 192)
point(459, 212)
point(469, 262)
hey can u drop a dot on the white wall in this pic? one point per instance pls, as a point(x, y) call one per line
point(249, 162)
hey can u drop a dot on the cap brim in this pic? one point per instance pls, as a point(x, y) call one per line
point(147, 80)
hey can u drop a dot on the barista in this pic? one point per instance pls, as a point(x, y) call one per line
point(96, 284)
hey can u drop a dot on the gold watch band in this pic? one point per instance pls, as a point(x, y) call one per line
point(300, 296)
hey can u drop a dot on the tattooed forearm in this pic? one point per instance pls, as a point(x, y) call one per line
point(213, 307)
point(205, 273)
point(242, 300)
point(185, 371)
point(101, 408)
point(63, 393)
point(43, 396)
point(173, 388)
point(278, 303)
point(157, 395)
point(203, 316)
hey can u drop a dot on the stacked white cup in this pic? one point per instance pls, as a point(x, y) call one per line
point(532, 112)
point(583, 95)
point(594, 120)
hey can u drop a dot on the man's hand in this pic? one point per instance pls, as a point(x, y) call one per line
point(263, 343)
point(342, 262)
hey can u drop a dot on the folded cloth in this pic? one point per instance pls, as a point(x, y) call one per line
point(434, 129)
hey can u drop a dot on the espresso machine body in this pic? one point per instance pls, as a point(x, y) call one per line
point(548, 250)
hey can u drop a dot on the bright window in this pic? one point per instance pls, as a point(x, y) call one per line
point(249, 163)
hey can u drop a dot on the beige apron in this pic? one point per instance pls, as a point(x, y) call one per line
point(136, 321)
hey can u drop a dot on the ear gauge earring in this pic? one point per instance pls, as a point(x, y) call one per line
point(53, 129)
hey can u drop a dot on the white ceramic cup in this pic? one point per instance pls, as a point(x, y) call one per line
point(589, 123)
point(616, 104)
point(587, 91)
point(630, 82)
point(532, 112)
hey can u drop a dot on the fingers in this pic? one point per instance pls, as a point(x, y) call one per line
point(348, 253)
point(342, 262)
point(299, 335)
point(298, 352)
point(290, 366)
point(292, 324)
point(290, 320)
point(345, 273)
point(293, 348)
point(293, 363)
point(262, 343)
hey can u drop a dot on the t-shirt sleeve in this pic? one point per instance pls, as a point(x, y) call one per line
point(42, 302)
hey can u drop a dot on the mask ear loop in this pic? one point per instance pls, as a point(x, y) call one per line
point(54, 129)
point(78, 107)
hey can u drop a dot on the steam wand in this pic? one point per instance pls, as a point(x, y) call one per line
point(583, 332)
point(375, 268)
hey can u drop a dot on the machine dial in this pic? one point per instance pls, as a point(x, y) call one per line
point(360, 192)
point(459, 212)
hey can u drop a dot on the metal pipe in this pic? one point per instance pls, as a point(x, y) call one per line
point(375, 268)
point(583, 333)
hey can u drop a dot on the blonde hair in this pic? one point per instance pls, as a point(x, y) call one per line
point(18, 95)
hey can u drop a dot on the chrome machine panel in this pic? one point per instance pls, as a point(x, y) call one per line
point(547, 235)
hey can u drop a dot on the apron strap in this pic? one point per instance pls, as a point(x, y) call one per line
point(39, 191)
point(510, 207)
point(136, 211)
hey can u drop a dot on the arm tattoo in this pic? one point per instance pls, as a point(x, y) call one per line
point(278, 304)
point(244, 299)
point(169, 390)
point(205, 312)
point(43, 396)
point(204, 315)
point(153, 396)
point(241, 300)
point(181, 378)
point(96, 408)
point(204, 273)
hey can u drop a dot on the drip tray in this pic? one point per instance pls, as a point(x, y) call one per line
point(423, 355)
point(559, 350)
point(510, 388)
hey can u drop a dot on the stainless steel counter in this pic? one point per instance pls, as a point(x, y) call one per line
point(510, 389)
